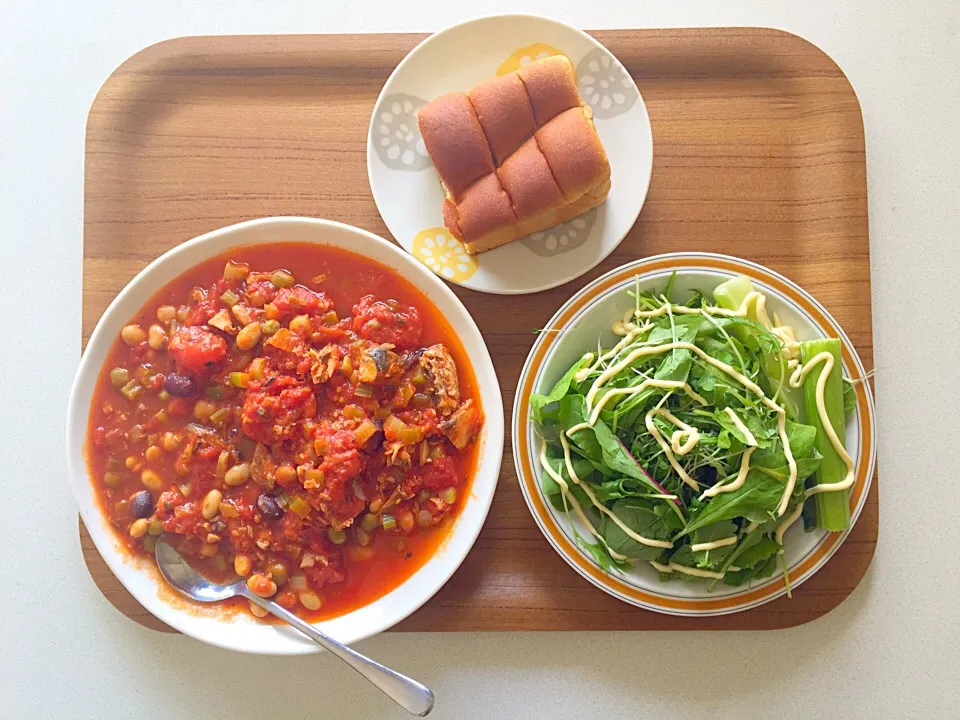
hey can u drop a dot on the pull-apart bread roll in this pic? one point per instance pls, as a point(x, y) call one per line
point(516, 155)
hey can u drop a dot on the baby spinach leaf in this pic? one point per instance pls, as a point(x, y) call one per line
point(639, 517)
point(540, 403)
point(757, 552)
point(765, 569)
point(551, 489)
point(756, 501)
point(717, 531)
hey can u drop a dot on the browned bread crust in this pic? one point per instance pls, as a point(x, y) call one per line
point(505, 114)
point(552, 87)
point(573, 151)
point(455, 141)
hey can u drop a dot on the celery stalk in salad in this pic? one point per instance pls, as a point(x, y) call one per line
point(832, 508)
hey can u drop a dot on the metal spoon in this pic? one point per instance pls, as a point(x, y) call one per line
point(408, 694)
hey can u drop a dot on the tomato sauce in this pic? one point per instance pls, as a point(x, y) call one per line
point(292, 413)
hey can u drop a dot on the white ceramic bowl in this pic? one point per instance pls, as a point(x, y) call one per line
point(575, 329)
point(240, 632)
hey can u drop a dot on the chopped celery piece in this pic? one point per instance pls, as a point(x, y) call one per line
point(230, 298)
point(299, 506)
point(131, 390)
point(220, 417)
point(832, 508)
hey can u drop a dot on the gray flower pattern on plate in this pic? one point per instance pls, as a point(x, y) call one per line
point(605, 84)
point(396, 136)
point(563, 237)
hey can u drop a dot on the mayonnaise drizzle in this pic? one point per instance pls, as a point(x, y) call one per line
point(796, 380)
point(787, 522)
point(677, 444)
point(714, 544)
point(602, 508)
point(696, 572)
point(565, 489)
point(632, 356)
point(739, 424)
point(649, 382)
point(670, 568)
point(678, 468)
point(583, 373)
point(738, 481)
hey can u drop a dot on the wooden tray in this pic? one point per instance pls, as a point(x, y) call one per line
point(758, 152)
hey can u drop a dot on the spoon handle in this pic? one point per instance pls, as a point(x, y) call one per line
point(413, 697)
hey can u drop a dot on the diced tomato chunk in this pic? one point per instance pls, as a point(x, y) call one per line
point(378, 322)
point(272, 412)
point(300, 300)
point(437, 475)
point(196, 350)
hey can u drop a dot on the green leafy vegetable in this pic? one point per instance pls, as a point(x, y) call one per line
point(632, 473)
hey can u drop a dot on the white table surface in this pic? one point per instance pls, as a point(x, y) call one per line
point(890, 650)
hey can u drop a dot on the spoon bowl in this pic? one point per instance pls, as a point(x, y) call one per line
point(187, 581)
point(413, 697)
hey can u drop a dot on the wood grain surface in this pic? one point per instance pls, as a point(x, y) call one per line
point(758, 152)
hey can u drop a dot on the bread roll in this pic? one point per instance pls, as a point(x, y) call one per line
point(505, 114)
point(517, 156)
point(483, 215)
point(528, 181)
point(573, 151)
point(455, 142)
point(552, 87)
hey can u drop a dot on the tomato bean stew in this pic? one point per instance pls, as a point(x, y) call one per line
point(295, 414)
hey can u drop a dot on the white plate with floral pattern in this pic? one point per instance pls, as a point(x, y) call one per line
point(406, 187)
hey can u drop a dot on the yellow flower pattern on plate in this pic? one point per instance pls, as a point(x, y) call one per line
point(441, 252)
point(525, 56)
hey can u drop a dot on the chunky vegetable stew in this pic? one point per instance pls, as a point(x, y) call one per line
point(294, 414)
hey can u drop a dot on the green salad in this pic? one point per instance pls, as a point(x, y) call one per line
point(694, 442)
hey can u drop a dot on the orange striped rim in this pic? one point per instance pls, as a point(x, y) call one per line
point(549, 524)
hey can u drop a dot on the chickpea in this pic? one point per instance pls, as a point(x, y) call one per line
point(157, 337)
point(310, 600)
point(166, 313)
point(211, 504)
point(133, 335)
point(237, 475)
point(257, 611)
point(169, 441)
point(139, 528)
point(261, 585)
point(204, 409)
point(242, 564)
point(151, 480)
point(152, 454)
point(249, 336)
